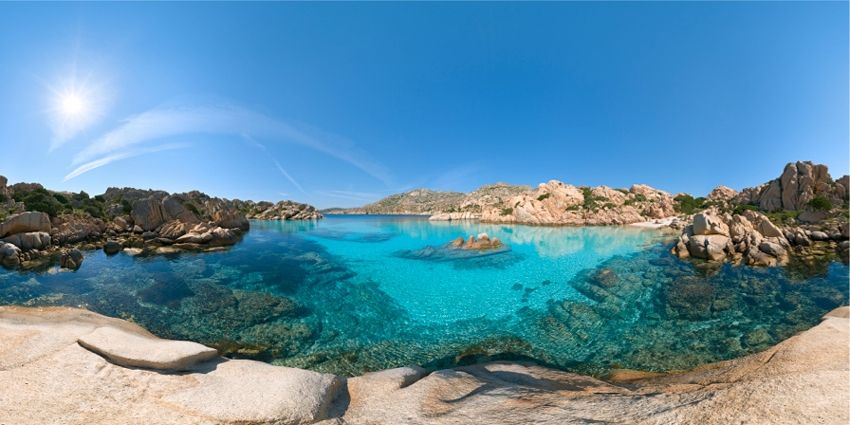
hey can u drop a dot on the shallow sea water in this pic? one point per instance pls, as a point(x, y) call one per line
point(350, 294)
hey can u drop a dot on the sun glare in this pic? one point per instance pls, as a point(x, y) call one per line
point(72, 105)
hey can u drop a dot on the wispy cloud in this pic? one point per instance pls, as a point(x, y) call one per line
point(288, 177)
point(356, 196)
point(227, 119)
point(91, 165)
point(253, 142)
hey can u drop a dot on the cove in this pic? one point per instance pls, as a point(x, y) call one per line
point(351, 294)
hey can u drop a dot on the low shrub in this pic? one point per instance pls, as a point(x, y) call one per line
point(687, 204)
point(820, 203)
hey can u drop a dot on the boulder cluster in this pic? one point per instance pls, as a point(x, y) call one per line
point(283, 210)
point(749, 238)
point(557, 203)
point(482, 242)
point(142, 221)
point(23, 235)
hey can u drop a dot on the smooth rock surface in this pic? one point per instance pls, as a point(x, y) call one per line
point(805, 379)
point(30, 221)
point(133, 350)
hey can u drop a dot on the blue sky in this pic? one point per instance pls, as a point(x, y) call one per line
point(342, 103)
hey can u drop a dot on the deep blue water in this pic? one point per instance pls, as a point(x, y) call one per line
point(350, 294)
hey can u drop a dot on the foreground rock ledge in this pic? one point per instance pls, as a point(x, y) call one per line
point(52, 379)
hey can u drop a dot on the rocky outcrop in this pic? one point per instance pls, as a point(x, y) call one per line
point(557, 203)
point(283, 210)
point(799, 184)
point(71, 259)
point(71, 228)
point(482, 242)
point(801, 380)
point(441, 206)
point(10, 255)
point(30, 221)
point(722, 193)
point(749, 238)
point(88, 382)
point(29, 241)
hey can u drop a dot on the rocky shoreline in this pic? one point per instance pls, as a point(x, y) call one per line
point(39, 227)
point(81, 367)
point(802, 215)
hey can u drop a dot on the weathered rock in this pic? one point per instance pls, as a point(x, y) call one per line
point(10, 255)
point(773, 249)
point(226, 215)
point(557, 203)
point(284, 210)
point(722, 193)
point(29, 241)
point(147, 213)
point(71, 259)
point(244, 391)
point(818, 235)
point(708, 247)
point(130, 349)
point(798, 185)
point(480, 243)
point(750, 237)
point(801, 380)
point(112, 247)
point(706, 224)
point(173, 209)
point(69, 229)
point(30, 221)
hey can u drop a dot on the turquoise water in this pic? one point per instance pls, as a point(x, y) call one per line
point(350, 294)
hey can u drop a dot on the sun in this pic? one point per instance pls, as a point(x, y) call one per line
point(72, 105)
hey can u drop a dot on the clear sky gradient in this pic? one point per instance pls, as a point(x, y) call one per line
point(338, 104)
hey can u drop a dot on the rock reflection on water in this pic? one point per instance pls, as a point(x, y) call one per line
point(285, 294)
